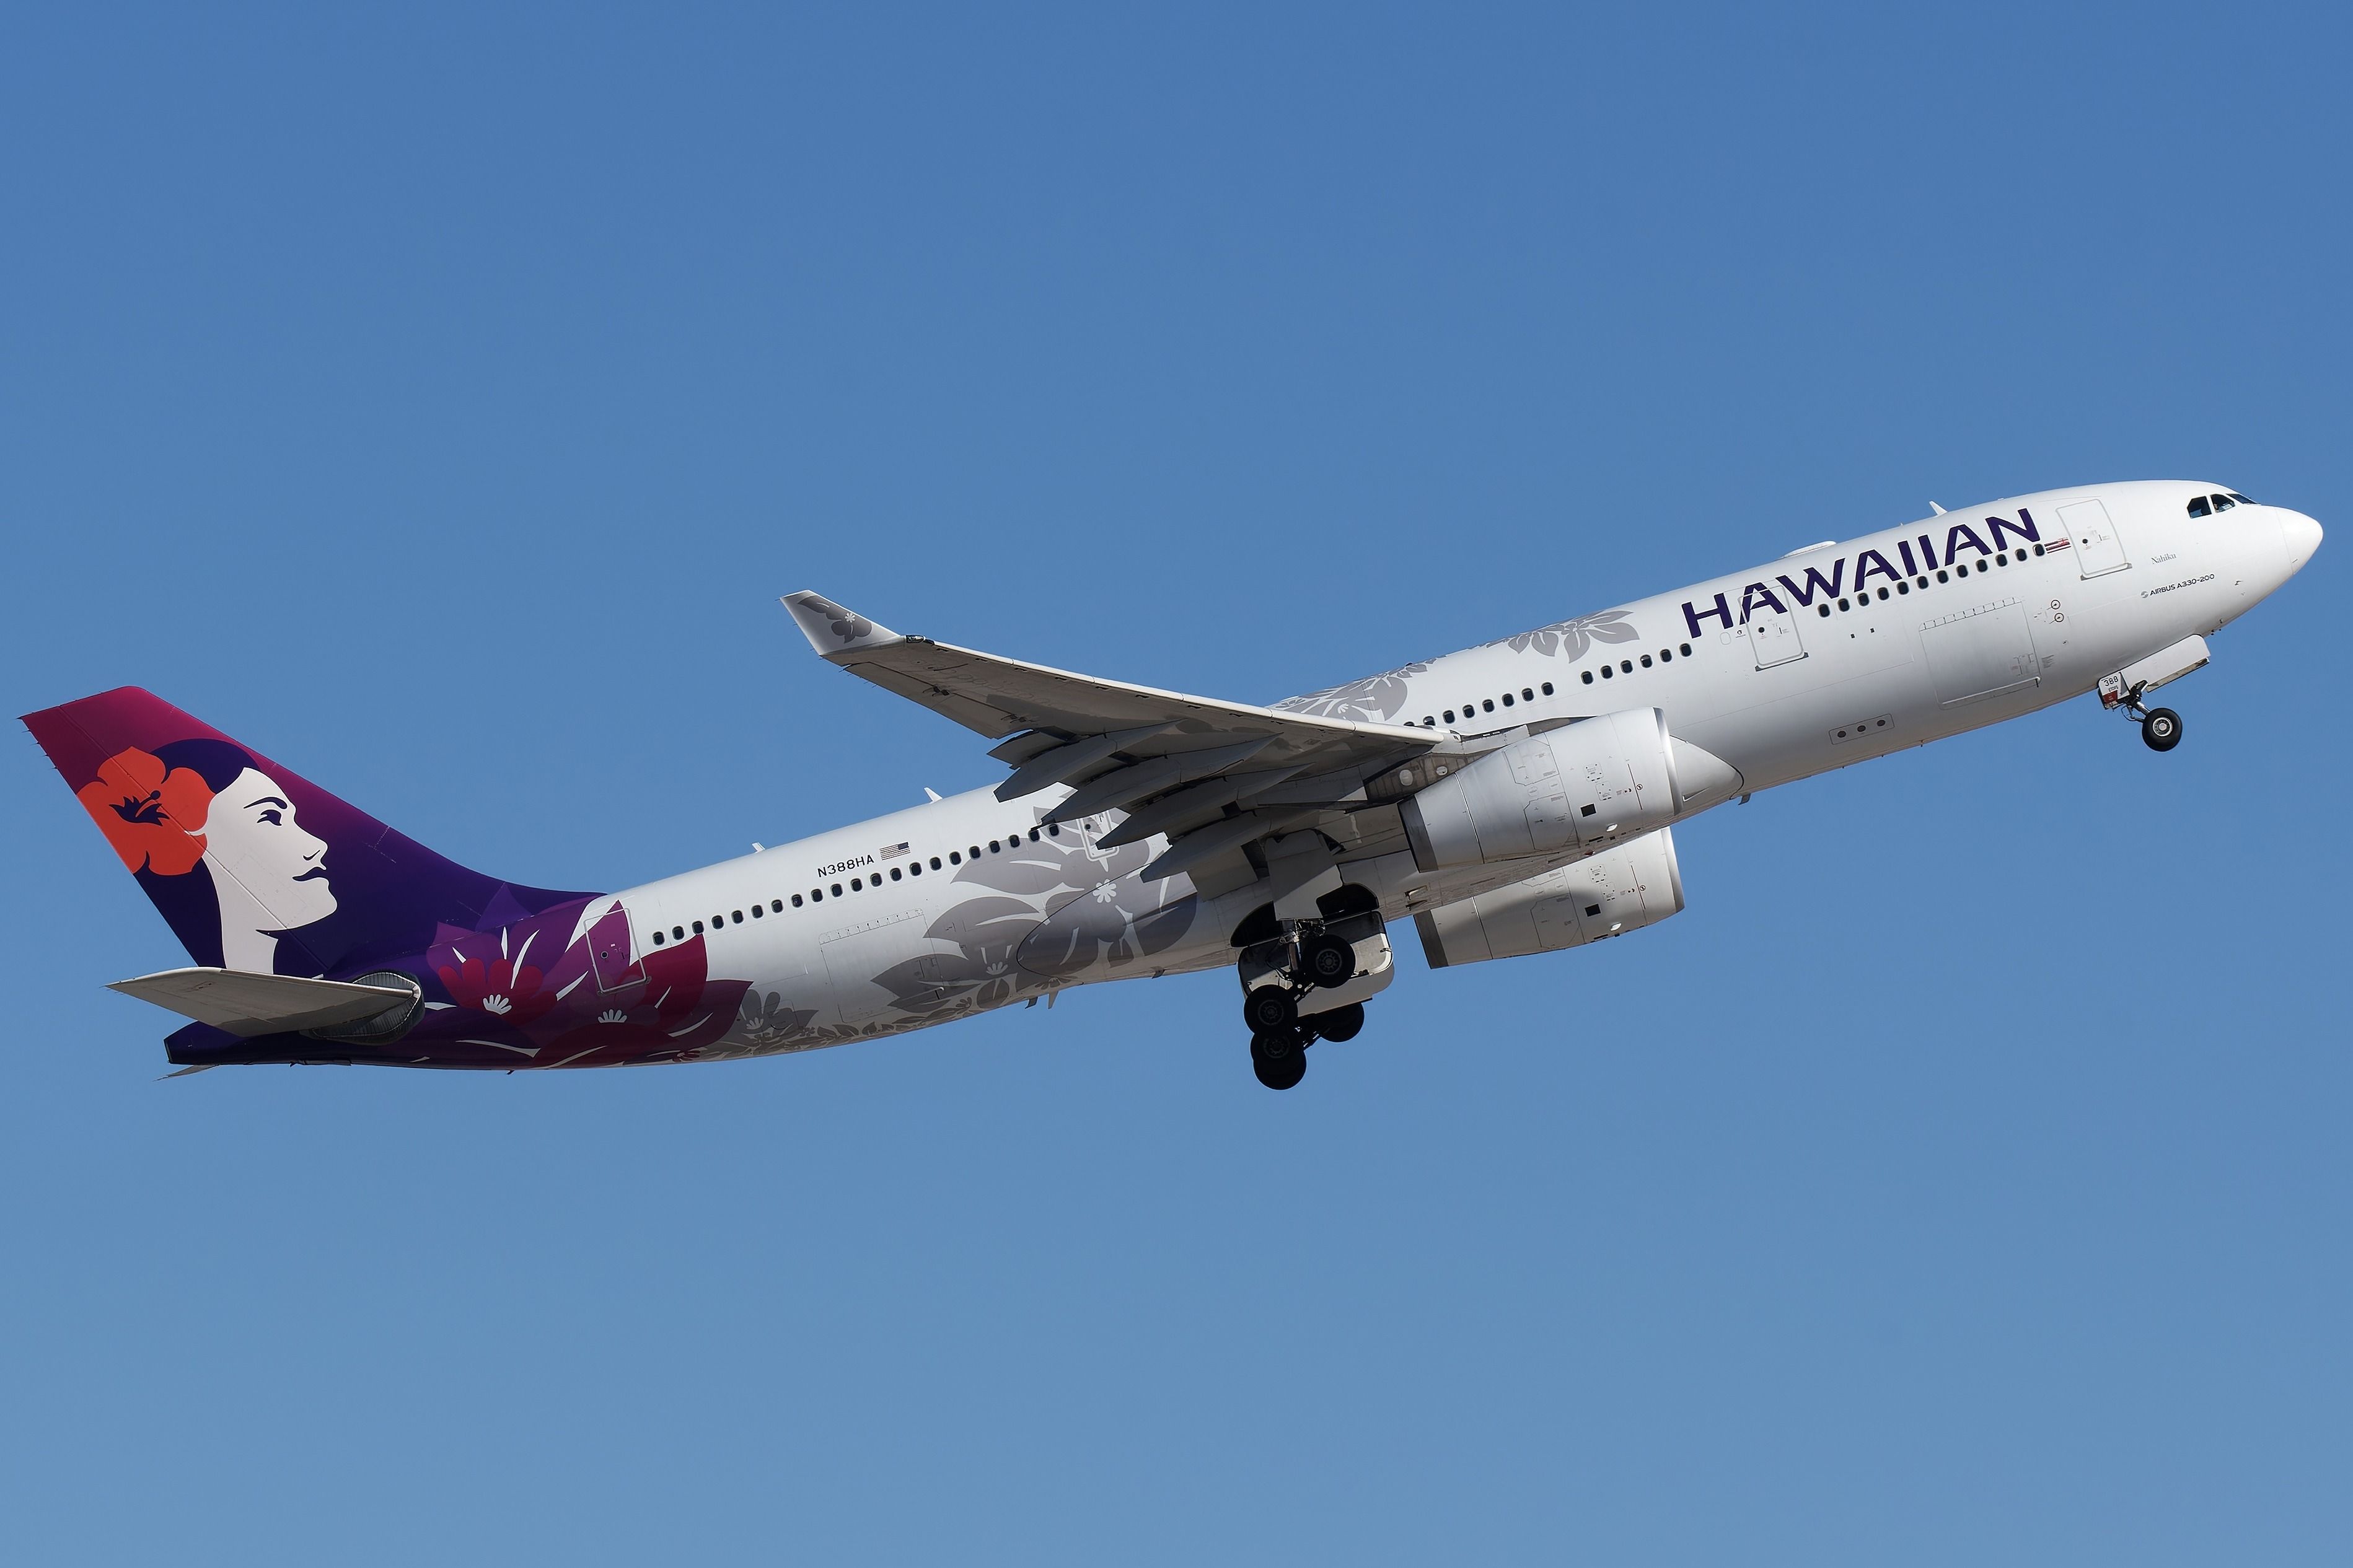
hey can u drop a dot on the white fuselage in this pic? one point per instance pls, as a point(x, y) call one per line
point(1748, 666)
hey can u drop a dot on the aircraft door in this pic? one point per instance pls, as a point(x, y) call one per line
point(2099, 548)
point(1773, 638)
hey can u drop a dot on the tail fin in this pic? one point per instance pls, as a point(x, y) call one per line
point(254, 867)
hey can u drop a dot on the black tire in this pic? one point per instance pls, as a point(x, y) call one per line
point(1269, 1010)
point(1340, 1023)
point(1276, 1044)
point(2161, 730)
point(1278, 1060)
point(1325, 960)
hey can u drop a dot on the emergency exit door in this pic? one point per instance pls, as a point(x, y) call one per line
point(2099, 548)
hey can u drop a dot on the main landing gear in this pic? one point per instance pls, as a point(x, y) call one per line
point(2160, 728)
point(1288, 978)
point(1279, 1056)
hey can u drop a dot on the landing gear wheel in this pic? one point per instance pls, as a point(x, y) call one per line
point(1269, 1010)
point(2161, 729)
point(1326, 960)
point(1340, 1023)
point(1279, 1059)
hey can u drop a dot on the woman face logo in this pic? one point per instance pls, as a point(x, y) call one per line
point(205, 800)
point(254, 845)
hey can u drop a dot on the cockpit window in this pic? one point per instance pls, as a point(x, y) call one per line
point(2199, 507)
point(2242, 500)
point(2223, 503)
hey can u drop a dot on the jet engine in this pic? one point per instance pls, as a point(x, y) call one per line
point(1620, 890)
point(1597, 782)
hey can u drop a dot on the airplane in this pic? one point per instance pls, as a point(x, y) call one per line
point(1514, 798)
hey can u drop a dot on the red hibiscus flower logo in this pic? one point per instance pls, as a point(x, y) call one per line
point(497, 988)
point(153, 816)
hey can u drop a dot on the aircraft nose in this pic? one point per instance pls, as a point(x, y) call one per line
point(2303, 537)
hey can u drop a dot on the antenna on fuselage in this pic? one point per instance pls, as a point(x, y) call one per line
point(1937, 509)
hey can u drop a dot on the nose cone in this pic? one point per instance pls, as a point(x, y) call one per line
point(2302, 536)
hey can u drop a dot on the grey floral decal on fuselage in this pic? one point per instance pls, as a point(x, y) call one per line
point(1571, 638)
point(1377, 699)
point(1038, 915)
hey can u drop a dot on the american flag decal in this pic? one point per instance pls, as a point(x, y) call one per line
point(2057, 543)
point(893, 851)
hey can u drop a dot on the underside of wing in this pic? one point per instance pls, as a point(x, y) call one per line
point(1212, 775)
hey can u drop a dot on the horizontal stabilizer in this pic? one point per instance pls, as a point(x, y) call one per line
point(245, 1005)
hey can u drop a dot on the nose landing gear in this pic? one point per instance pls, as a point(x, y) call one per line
point(2160, 728)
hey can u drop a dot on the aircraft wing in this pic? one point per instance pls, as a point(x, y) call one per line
point(1213, 776)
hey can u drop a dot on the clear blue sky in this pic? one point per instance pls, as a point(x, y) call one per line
point(438, 400)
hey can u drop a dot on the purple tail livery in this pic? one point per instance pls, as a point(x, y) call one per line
point(259, 871)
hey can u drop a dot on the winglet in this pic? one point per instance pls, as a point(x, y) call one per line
point(832, 629)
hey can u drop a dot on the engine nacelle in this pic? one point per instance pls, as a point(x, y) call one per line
point(1597, 782)
point(1620, 890)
